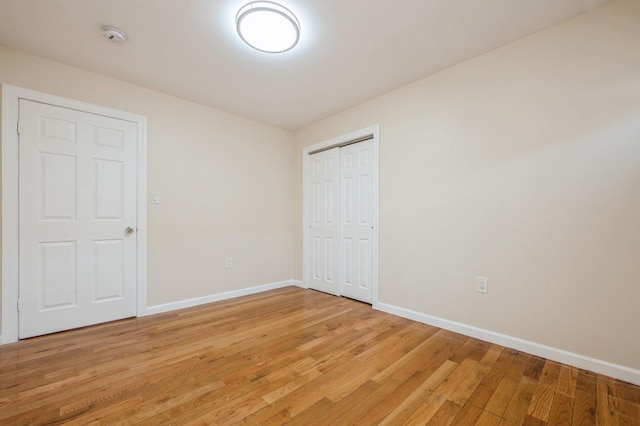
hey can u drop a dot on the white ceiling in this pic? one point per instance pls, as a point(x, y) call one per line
point(349, 51)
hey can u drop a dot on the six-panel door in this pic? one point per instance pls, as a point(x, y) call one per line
point(357, 219)
point(324, 221)
point(77, 197)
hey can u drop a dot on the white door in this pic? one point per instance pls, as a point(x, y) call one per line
point(324, 223)
point(77, 198)
point(341, 221)
point(357, 220)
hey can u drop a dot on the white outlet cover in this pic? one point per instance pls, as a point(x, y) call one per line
point(482, 285)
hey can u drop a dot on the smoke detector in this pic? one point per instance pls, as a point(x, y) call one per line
point(114, 34)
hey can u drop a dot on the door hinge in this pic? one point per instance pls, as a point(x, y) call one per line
point(19, 305)
point(18, 127)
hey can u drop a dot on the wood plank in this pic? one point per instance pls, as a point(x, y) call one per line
point(627, 392)
point(545, 391)
point(584, 409)
point(480, 396)
point(446, 415)
point(338, 409)
point(469, 384)
point(404, 379)
point(488, 419)
point(607, 412)
point(383, 400)
point(501, 397)
point(517, 409)
point(629, 411)
point(308, 416)
point(432, 401)
point(561, 409)
point(584, 406)
point(567, 381)
point(534, 368)
point(499, 370)
point(409, 405)
point(468, 415)
point(532, 421)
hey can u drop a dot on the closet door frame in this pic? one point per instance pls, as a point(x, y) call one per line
point(371, 132)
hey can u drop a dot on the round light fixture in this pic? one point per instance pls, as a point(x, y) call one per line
point(268, 27)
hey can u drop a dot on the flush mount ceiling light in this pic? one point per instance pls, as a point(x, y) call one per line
point(268, 27)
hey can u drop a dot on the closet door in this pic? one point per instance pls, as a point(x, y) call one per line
point(357, 220)
point(324, 221)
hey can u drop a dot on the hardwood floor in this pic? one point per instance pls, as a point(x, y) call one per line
point(294, 356)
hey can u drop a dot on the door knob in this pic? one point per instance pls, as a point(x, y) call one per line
point(129, 230)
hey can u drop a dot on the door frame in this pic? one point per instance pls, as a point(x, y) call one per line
point(353, 137)
point(11, 96)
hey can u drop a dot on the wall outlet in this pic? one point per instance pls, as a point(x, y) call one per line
point(228, 263)
point(482, 285)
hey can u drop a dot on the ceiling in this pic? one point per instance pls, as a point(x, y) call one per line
point(349, 51)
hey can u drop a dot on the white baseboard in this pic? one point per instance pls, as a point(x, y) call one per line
point(298, 283)
point(188, 303)
point(598, 366)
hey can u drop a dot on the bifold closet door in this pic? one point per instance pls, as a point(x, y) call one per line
point(324, 224)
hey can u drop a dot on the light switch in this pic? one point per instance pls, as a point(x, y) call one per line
point(155, 197)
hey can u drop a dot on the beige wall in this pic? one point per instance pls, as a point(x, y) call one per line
point(225, 183)
point(521, 165)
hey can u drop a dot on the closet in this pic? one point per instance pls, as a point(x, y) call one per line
point(340, 206)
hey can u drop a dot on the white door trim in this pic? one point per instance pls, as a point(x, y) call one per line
point(11, 96)
point(371, 131)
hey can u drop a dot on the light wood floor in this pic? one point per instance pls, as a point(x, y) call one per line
point(295, 356)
